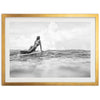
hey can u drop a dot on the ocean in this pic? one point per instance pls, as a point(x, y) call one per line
point(51, 63)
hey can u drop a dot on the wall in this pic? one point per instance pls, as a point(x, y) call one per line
point(49, 92)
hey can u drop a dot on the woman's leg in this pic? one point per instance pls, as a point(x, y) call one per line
point(28, 51)
point(32, 50)
point(23, 52)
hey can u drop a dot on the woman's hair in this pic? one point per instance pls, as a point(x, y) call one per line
point(38, 37)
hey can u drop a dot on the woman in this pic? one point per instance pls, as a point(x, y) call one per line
point(33, 48)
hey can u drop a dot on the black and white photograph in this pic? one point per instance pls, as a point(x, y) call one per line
point(50, 49)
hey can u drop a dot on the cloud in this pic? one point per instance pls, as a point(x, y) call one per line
point(54, 35)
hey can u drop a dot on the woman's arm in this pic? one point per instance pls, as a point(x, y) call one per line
point(40, 46)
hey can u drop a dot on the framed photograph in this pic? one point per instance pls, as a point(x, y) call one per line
point(50, 49)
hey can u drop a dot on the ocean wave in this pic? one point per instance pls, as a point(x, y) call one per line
point(14, 54)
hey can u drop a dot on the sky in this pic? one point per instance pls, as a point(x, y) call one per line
point(54, 35)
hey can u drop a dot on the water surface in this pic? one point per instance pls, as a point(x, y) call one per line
point(51, 63)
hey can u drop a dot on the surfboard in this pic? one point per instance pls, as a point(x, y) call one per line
point(33, 53)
